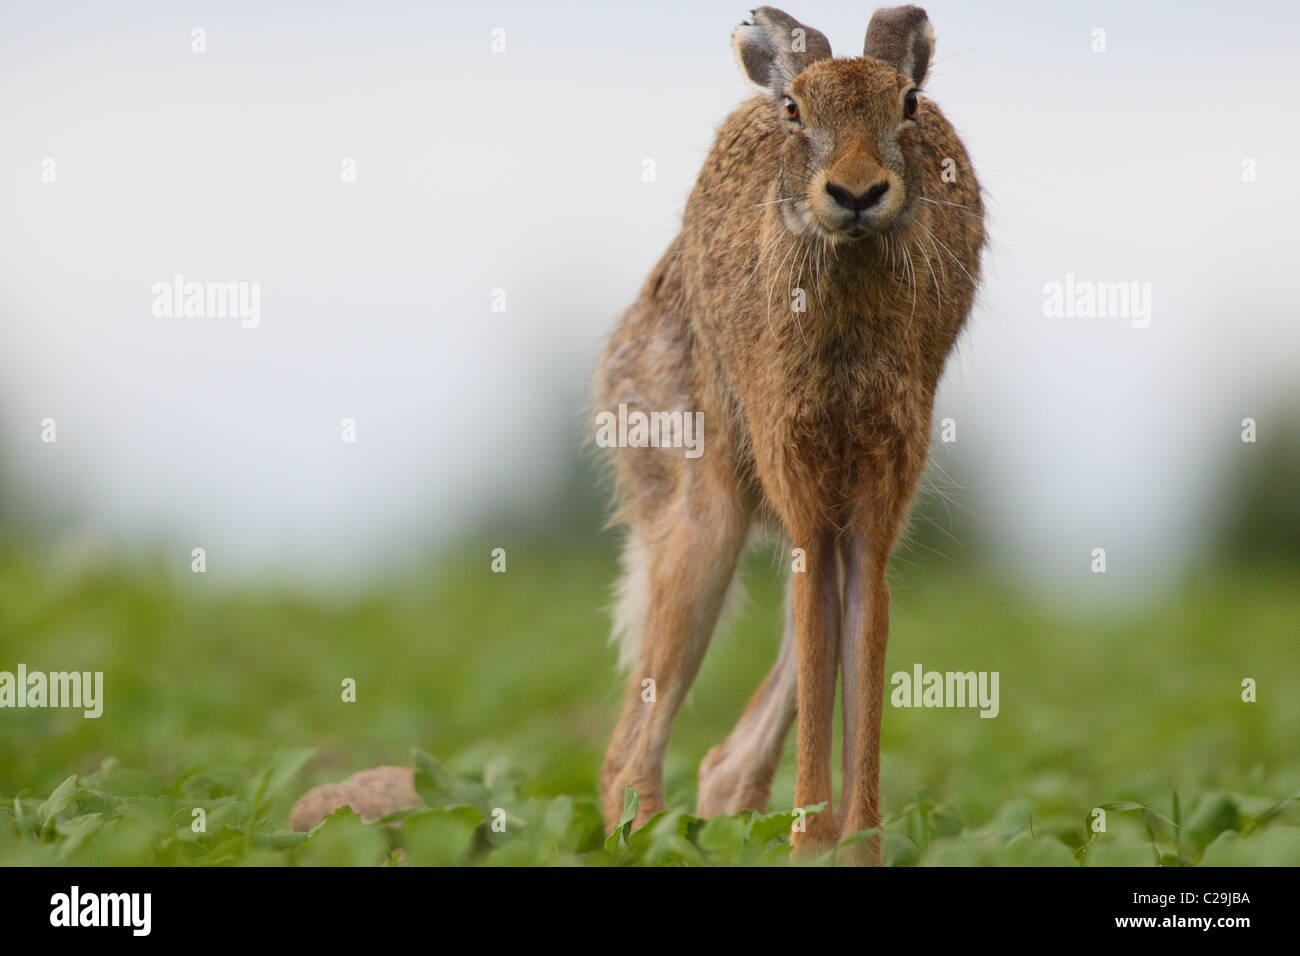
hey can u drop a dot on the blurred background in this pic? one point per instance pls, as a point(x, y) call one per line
point(446, 206)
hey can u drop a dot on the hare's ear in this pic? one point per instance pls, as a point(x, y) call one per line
point(773, 48)
point(902, 37)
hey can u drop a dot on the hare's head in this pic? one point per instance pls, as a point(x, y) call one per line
point(851, 154)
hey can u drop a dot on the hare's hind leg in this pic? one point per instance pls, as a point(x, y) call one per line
point(737, 774)
point(681, 564)
point(687, 516)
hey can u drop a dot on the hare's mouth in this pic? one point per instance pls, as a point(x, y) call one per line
point(802, 220)
point(852, 231)
point(860, 225)
point(841, 226)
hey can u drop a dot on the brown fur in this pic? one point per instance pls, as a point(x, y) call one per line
point(371, 794)
point(818, 422)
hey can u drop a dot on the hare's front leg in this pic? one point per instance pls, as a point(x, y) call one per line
point(865, 551)
point(817, 626)
point(866, 634)
point(683, 562)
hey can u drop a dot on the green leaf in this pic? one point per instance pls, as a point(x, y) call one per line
point(155, 810)
point(233, 815)
point(122, 782)
point(26, 824)
point(279, 770)
point(1271, 813)
point(1129, 805)
point(281, 840)
point(432, 781)
point(227, 852)
point(723, 837)
point(665, 840)
point(75, 831)
point(763, 828)
point(106, 766)
point(631, 800)
point(441, 836)
point(618, 838)
point(211, 783)
point(586, 829)
point(1213, 815)
point(945, 821)
point(898, 850)
point(59, 799)
point(1281, 848)
point(437, 787)
point(342, 839)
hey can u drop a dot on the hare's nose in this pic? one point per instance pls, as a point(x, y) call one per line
point(861, 201)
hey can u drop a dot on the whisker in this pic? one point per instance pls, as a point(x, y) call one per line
point(941, 202)
point(933, 278)
point(950, 253)
point(772, 281)
point(761, 256)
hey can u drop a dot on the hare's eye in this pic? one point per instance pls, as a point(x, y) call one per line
point(910, 104)
point(791, 109)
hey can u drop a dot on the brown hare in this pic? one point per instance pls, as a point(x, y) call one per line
point(827, 262)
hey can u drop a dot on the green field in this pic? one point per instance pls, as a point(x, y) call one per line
point(231, 701)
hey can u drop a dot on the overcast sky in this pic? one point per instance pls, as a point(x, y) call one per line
point(522, 170)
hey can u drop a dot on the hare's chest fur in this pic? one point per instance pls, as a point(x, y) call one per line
point(849, 400)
